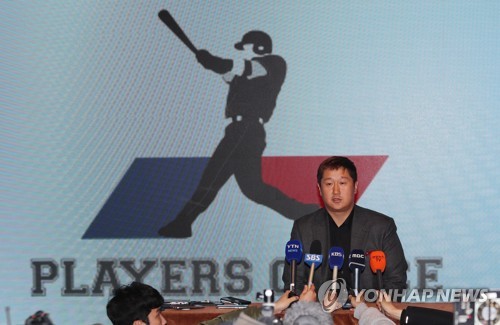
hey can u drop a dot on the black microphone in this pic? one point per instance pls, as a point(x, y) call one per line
point(313, 259)
point(357, 265)
point(293, 254)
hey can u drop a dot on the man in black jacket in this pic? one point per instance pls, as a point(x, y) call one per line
point(343, 223)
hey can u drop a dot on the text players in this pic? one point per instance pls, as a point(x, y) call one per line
point(344, 224)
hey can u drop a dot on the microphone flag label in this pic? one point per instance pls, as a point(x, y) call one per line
point(357, 259)
point(311, 259)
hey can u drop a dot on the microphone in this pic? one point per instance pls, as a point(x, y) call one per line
point(377, 264)
point(357, 265)
point(313, 259)
point(335, 260)
point(293, 255)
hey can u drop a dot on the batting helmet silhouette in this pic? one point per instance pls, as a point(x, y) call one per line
point(262, 43)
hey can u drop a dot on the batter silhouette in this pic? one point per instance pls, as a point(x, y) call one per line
point(254, 85)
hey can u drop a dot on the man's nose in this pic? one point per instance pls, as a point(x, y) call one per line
point(336, 188)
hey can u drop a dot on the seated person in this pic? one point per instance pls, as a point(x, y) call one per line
point(136, 304)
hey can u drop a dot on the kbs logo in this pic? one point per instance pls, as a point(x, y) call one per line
point(337, 254)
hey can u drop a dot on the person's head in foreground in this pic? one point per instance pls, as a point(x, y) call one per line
point(136, 304)
point(307, 313)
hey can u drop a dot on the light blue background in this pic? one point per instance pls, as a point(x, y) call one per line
point(87, 86)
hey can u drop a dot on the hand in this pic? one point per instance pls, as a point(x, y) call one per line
point(386, 306)
point(308, 294)
point(214, 63)
point(205, 58)
point(284, 302)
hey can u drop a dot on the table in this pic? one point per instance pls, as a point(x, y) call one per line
point(340, 317)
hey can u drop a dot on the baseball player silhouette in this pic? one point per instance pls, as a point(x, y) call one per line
point(254, 85)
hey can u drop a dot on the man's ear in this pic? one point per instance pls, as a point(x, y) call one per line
point(356, 187)
point(319, 188)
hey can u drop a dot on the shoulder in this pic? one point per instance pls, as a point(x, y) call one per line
point(312, 218)
point(371, 216)
point(309, 227)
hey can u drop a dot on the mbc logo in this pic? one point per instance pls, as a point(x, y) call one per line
point(358, 255)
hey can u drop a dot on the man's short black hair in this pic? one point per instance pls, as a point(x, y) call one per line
point(335, 163)
point(133, 302)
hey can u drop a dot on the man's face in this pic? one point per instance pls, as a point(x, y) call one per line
point(338, 189)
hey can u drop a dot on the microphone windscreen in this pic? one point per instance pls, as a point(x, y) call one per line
point(315, 256)
point(357, 260)
point(377, 261)
point(315, 247)
point(336, 257)
point(293, 251)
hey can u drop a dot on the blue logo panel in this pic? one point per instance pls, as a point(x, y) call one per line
point(150, 194)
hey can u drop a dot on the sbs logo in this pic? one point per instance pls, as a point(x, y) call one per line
point(313, 258)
